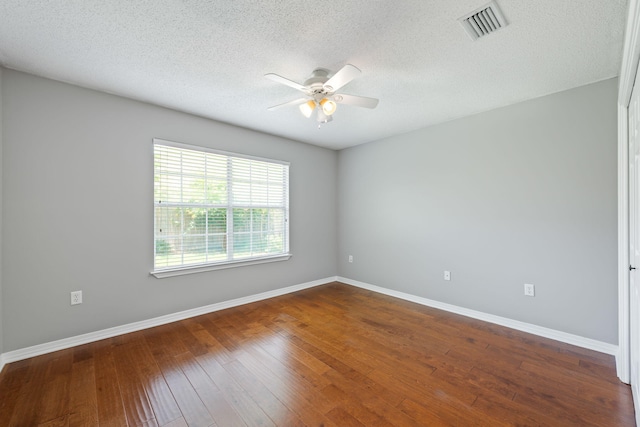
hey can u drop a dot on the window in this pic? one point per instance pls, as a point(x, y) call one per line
point(214, 209)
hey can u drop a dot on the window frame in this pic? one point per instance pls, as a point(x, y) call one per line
point(171, 271)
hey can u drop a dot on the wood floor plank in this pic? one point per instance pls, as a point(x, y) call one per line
point(62, 421)
point(180, 422)
point(445, 410)
point(214, 348)
point(288, 393)
point(336, 366)
point(332, 356)
point(344, 389)
point(136, 402)
point(383, 348)
point(435, 417)
point(385, 316)
point(83, 404)
point(214, 400)
point(12, 381)
point(319, 340)
point(111, 411)
point(547, 395)
point(260, 393)
point(244, 406)
point(30, 400)
point(471, 380)
point(150, 376)
point(507, 412)
point(375, 335)
point(584, 387)
point(275, 348)
point(193, 410)
point(344, 418)
point(56, 389)
point(305, 386)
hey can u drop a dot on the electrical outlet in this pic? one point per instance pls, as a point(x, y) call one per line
point(350, 258)
point(447, 275)
point(529, 290)
point(76, 297)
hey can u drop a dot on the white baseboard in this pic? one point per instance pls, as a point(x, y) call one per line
point(564, 337)
point(62, 344)
point(65, 343)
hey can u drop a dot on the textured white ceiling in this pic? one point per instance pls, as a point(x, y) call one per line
point(209, 57)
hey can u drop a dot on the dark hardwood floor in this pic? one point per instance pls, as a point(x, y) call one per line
point(333, 355)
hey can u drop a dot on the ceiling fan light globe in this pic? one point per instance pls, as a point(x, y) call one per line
point(321, 116)
point(328, 106)
point(307, 108)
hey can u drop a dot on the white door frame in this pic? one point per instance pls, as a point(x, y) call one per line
point(630, 57)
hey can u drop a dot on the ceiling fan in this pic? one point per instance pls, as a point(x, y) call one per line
point(320, 93)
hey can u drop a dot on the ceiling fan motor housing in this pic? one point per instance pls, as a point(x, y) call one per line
point(316, 82)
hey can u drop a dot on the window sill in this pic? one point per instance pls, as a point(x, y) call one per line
point(180, 271)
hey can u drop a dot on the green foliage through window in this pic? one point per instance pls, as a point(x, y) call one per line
point(213, 207)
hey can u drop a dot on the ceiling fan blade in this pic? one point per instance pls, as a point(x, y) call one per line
point(294, 102)
point(342, 77)
point(279, 79)
point(358, 101)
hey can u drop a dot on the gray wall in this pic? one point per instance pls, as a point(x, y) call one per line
point(522, 194)
point(78, 211)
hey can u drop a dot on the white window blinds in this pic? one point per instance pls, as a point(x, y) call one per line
point(213, 207)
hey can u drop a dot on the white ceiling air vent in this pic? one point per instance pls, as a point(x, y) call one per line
point(483, 21)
